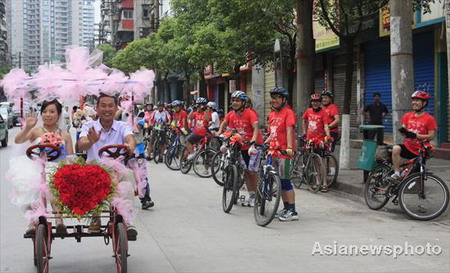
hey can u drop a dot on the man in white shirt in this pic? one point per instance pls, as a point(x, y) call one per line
point(107, 131)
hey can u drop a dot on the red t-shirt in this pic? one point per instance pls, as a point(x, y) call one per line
point(178, 117)
point(243, 124)
point(316, 124)
point(332, 110)
point(421, 125)
point(278, 123)
point(200, 123)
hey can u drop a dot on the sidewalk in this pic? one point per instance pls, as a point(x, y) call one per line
point(351, 181)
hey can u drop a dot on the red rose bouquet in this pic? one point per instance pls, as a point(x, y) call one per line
point(81, 189)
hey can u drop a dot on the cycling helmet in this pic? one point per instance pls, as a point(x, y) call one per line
point(211, 104)
point(316, 97)
point(420, 95)
point(279, 90)
point(201, 100)
point(160, 103)
point(327, 93)
point(240, 95)
point(176, 103)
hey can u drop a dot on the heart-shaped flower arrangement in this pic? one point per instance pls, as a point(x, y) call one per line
point(81, 189)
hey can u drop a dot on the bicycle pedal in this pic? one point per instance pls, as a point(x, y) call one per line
point(395, 202)
point(242, 198)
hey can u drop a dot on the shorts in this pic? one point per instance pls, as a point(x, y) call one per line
point(282, 167)
point(249, 162)
point(162, 134)
point(192, 138)
point(405, 153)
point(336, 138)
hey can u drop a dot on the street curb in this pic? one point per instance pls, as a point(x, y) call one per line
point(349, 188)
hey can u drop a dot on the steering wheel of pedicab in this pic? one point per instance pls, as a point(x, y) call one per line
point(114, 151)
point(50, 151)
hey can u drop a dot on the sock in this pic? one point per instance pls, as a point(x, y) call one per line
point(397, 173)
point(291, 207)
point(286, 204)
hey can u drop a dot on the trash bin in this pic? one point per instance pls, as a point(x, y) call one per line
point(367, 159)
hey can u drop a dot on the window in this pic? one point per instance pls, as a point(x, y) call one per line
point(127, 14)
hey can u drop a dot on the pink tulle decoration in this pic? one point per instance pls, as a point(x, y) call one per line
point(116, 165)
point(124, 208)
point(140, 173)
point(48, 82)
point(37, 210)
point(140, 84)
point(16, 84)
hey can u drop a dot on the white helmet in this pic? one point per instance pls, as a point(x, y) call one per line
point(211, 104)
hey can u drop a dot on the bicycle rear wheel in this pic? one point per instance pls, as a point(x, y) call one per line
point(218, 166)
point(202, 163)
point(424, 204)
point(172, 157)
point(121, 248)
point(315, 172)
point(156, 146)
point(267, 200)
point(185, 164)
point(230, 188)
point(331, 169)
point(376, 189)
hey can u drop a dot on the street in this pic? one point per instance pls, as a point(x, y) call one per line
point(187, 231)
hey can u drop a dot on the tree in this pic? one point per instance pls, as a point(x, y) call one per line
point(108, 53)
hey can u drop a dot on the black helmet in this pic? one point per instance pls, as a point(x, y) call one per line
point(279, 90)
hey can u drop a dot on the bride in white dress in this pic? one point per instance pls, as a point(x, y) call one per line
point(23, 171)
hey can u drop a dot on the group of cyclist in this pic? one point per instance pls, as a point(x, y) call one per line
point(320, 125)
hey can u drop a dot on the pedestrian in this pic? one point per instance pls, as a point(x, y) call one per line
point(66, 116)
point(376, 112)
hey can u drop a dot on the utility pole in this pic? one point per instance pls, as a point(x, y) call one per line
point(402, 67)
point(305, 54)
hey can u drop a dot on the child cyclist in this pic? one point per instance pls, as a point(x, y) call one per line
point(282, 130)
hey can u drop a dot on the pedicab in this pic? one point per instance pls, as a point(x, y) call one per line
point(114, 230)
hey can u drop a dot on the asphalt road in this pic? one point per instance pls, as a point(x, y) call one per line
point(187, 231)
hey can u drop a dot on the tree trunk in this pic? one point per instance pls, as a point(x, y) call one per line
point(349, 66)
point(305, 54)
point(186, 88)
point(202, 87)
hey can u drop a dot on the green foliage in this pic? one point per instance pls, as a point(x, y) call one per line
point(4, 69)
point(108, 53)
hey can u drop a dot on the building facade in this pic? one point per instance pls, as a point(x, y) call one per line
point(4, 50)
point(42, 29)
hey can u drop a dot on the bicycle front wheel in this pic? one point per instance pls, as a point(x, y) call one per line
point(375, 191)
point(218, 166)
point(331, 169)
point(267, 200)
point(172, 157)
point(185, 164)
point(315, 173)
point(298, 170)
point(230, 188)
point(423, 200)
point(202, 163)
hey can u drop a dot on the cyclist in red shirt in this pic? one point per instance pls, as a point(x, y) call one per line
point(281, 127)
point(245, 122)
point(316, 121)
point(199, 121)
point(417, 126)
point(180, 120)
point(333, 113)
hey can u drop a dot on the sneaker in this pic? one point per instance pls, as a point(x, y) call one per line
point(249, 202)
point(191, 156)
point(280, 212)
point(147, 204)
point(288, 216)
point(205, 172)
point(160, 159)
point(131, 233)
point(95, 225)
point(396, 177)
point(324, 189)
